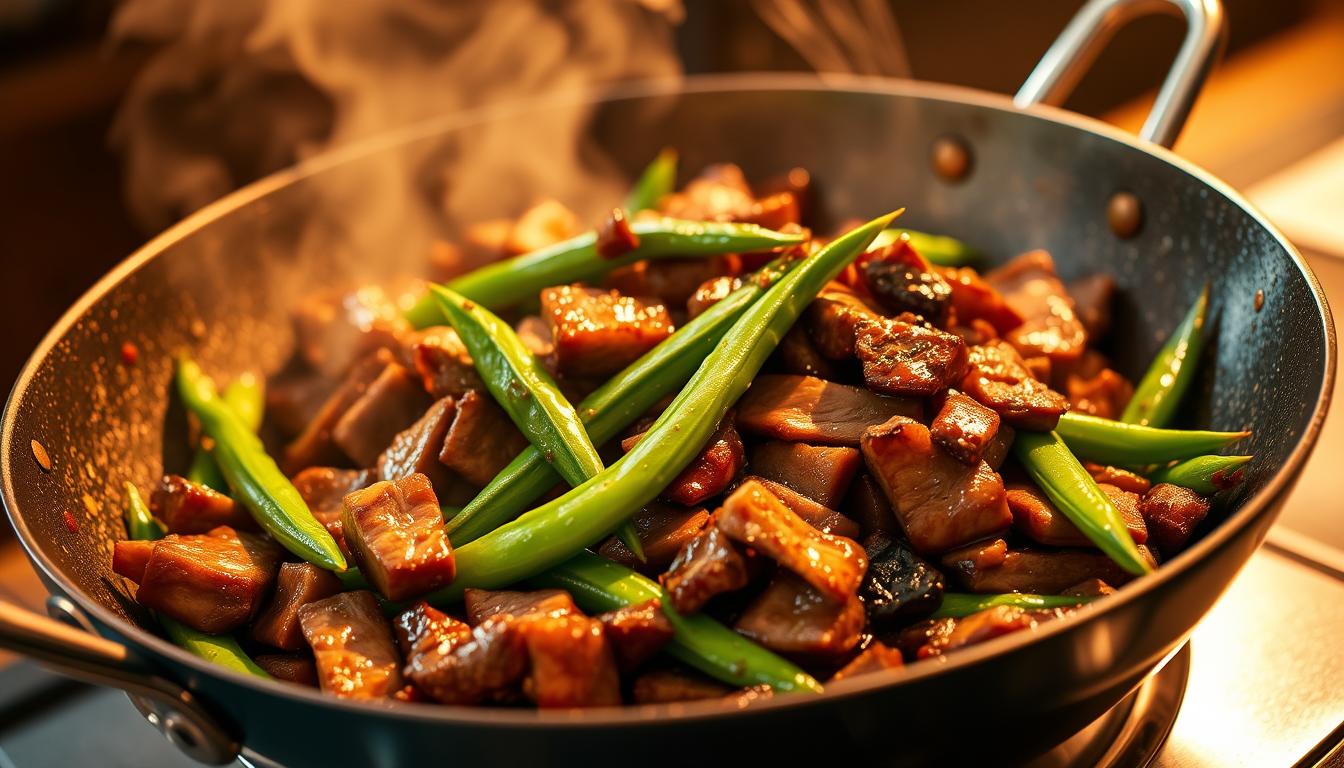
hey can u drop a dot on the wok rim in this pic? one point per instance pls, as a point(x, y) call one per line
point(139, 638)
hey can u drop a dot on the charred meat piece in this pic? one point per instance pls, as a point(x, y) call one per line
point(984, 625)
point(596, 332)
point(636, 632)
point(666, 686)
point(324, 490)
point(1092, 298)
point(187, 507)
point(571, 662)
point(875, 658)
point(416, 450)
point(711, 292)
point(289, 667)
point(818, 516)
point(481, 440)
point(974, 299)
point(798, 355)
point(708, 565)
point(903, 359)
point(821, 473)
point(812, 410)
point(902, 281)
point(297, 585)
point(1104, 395)
point(833, 319)
point(1172, 513)
point(868, 506)
point(963, 427)
point(663, 529)
point(352, 645)
point(315, 446)
point(395, 532)
point(1044, 572)
point(923, 639)
point(490, 664)
point(1037, 519)
point(484, 604)
point(939, 502)
point(614, 236)
point(999, 378)
point(1119, 477)
point(756, 518)
point(422, 628)
point(709, 473)
point(213, 582)
point(900, 585)
point(443, 364)
point(391, 403)
point(332, 331)
point(792, 618)
point(1031, 288)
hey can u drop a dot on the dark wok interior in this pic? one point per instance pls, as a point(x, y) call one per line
point(221, 285)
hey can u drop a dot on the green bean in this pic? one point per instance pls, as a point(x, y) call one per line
point(1115, 442)
point(247, 397)
point(657, 180)
point(253, 476)
point(550, 534)
point(1073, 491)
point(505, 283)
point(956, 606)
point(1205, 475)
point(597, 584)
point(141, 525)
point(614, 406)
point(936, 249)
point(1159, 392)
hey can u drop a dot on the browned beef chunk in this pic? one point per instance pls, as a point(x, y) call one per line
point(596, 332)
point(395, 532)
point(1172, 513)
point(187, 507)
point(324, 490)
point(391, 403)
point(1036, 571)
point(756, 518)
point(776, 211)
point(352, 645)
point(571, 662)
point(833, 319)
point(332, 331)
point(1104, 395)
point(663, 529)
point(822, 473)
point(666, 686)
point(492, 662)
point(939, 502)
point(868, 506)
point(636, 632)
point(963, 427)
point(481, 440)
point(1090, 588)
point(902, 281)
point(289, 667)
point(1032, 289)
point(875, 658)
point(798, 355)
point(422, 628)
point(1127, 503)
point(903, 359)
point(719, 193)
point(483, 604)
point(998, 448)
point(1121, 478)
point(615, 238)
point(297, 585)
point(999, 378)
point(293, 399)
point(416, 450)
point(793, 618)
point(818, 516)
point(711, 292)
point(974, 299)
point(213, 582)
point(1092, 297)
point(710, 472)
point(443, 364)
point(923, 639)
point(536, 336)
point(812, 410)
point(671, 281)
point(129, 558)
point(900, 585)
point(982, 555)
point(1037, 519)
point(314, 446)
point(708, 565)
point(979, 627)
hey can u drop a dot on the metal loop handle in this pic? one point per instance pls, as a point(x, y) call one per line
point(1087, 33)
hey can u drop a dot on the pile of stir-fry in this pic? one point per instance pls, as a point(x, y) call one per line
point(699, 452)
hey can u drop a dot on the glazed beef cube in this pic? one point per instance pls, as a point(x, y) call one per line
point(1032, 289)
point(352, 646)
point(874, 658)
point(1104, 394)
point(799, 356)
point(939, 502)
point(903, 359)
point(332, 331)
point(985, 625)
point(974, 299)
point(711, 292)
point(754, 517)
point(423, 628)
point(818, 516)
point(999, 378)
point(997, 449)
point(214, 582)
point(615, 238)
point(707, 566)
point(833, 320)
point(709, 473)
point(821, 473)
point(396, 534)
point(490, 664)
point(1092, 298)
point(481, 440)
point(1119, 477)
point(416, 450)
point(899, 585)
point(1172, 513)
point(719, 193)
point(315, 446)
point(289, 667)
point(666, 686)
point(902, 281)
point(443, 364)
point(392, 402)
point(483, 604)
point(1035, 571)
point(596, 332)
point(129, 558)
point(868, 506)
point(571, 662)
point(297, 585)
point(324, 490)
point(1037, 519)
point(793, 618)
point(187, 507)
point(811, 410)
point(663, 529)
point(963, 427)
point(636, 632)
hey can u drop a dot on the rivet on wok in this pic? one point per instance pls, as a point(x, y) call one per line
point(1124, 212)
point(951, 158)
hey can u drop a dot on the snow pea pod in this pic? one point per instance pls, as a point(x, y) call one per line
point(941, 250)
point(1159, 392)
point(1115, 442)
point(657, 180)
point(1205, 475)
point(957, 605)
point(246, 395)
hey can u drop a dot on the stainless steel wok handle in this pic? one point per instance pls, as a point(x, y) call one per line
point(1087, 33)
point(86, 656)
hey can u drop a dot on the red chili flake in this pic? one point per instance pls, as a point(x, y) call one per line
point(1259, 299)
point(40, 453)
point(1222, 481)
point(615, 237)
point(129, 353)
point(71, 524)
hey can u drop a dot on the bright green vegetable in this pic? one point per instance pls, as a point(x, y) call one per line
point(614, 406)
point(1115, 442)
point(253, 476)
point(937, 249)
point(141, 525)
point(505, 283)
point(1073, 491)
point(657, 180)
point(956, 605)
point(549, 535)
point(1159, 392)
point(1205, 475)
point(247, 397)
point(597, 584)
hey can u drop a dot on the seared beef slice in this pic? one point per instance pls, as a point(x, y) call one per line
point(811, 410)
point(395, 531)
point(352, 644)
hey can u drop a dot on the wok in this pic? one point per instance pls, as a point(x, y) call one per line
point(222, 282)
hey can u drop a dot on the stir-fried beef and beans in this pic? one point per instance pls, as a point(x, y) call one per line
point(701, 451)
